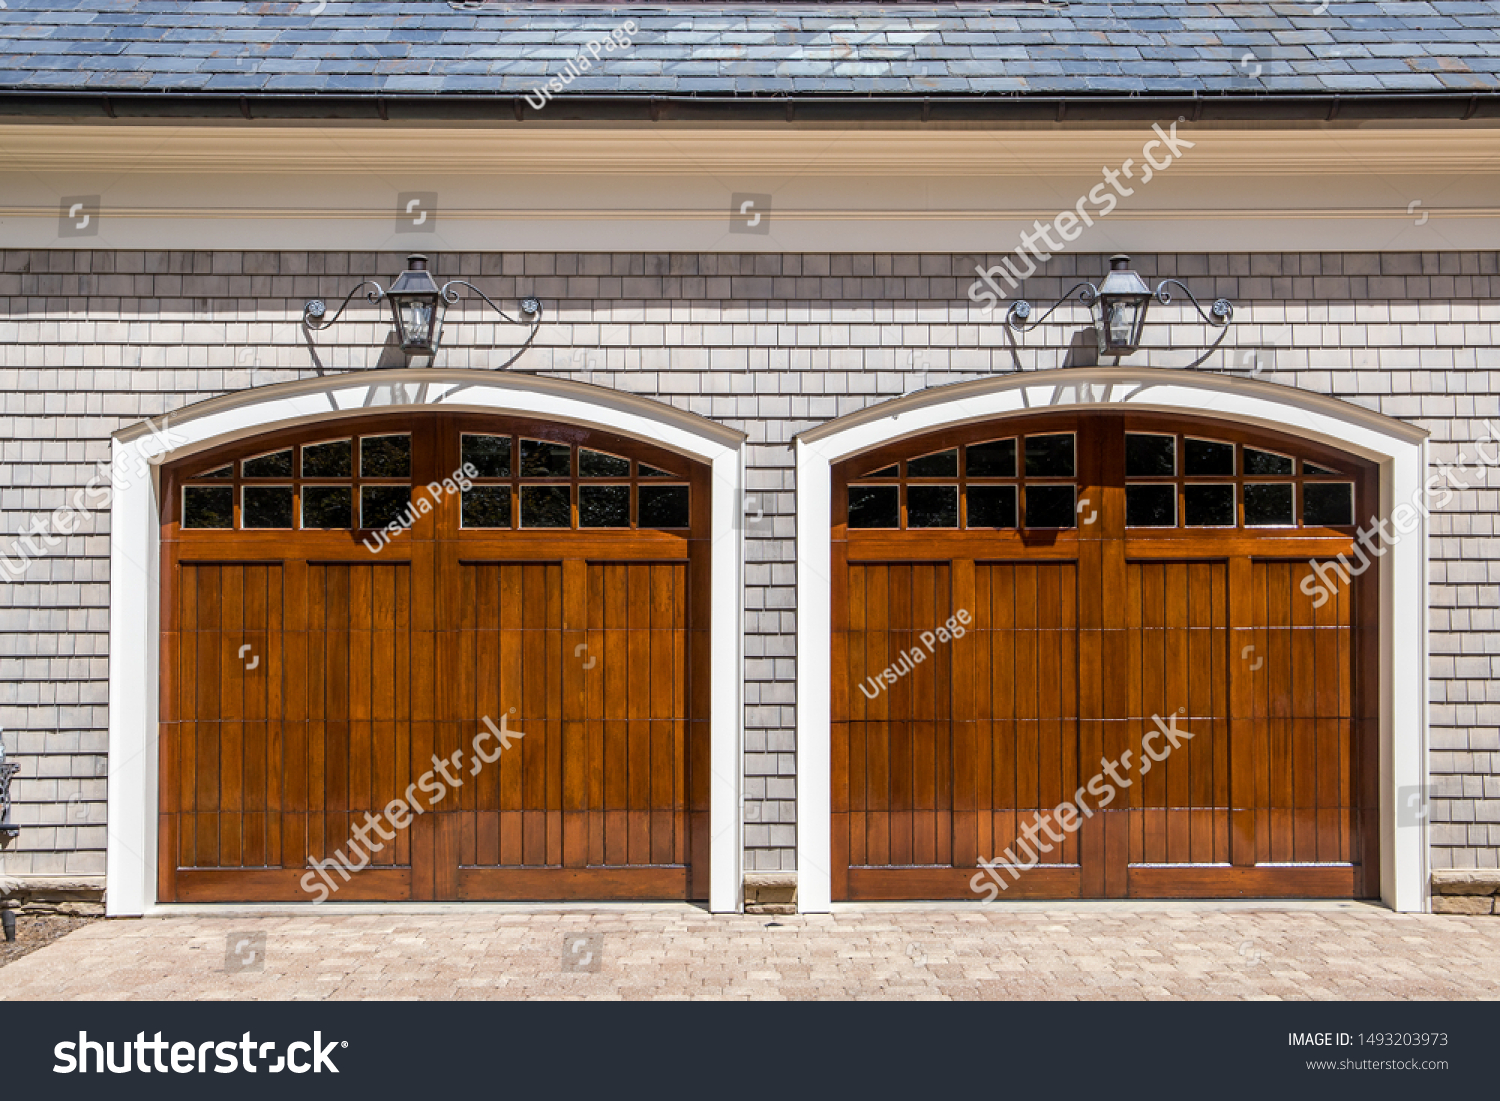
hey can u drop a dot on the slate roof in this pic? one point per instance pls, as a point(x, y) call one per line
point(434, 48)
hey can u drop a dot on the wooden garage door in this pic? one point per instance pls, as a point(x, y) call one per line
point(1019, 605)
point(538, 634)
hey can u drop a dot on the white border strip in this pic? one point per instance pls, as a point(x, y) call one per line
point(135, 574)
point(1399, 449)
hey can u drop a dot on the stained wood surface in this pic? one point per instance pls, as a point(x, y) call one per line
point(1081, 640)
point(363, 668)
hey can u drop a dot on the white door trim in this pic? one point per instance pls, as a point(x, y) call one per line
point(135, 573)
point(1399, 449)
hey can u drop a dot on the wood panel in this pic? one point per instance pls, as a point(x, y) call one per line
point(1088, 644)
point(899, 795)
point(228, 740)
point(1026, 706)
point(589, 646)
point(1177, 641)
point(587, 661)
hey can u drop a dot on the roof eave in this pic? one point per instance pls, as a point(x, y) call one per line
point(763, 109)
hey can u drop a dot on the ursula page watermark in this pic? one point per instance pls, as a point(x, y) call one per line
point(617, 39)
point(420, 506)
point(955, 627)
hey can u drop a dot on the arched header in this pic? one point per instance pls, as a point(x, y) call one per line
point(1243, 400)
point(285, 405)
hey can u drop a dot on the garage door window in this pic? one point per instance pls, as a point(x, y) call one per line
point(313, 486)
point(1219, 483)
point(993, 484)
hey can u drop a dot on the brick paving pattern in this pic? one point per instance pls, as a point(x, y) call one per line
point(1341, 952)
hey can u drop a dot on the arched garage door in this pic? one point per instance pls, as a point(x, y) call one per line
point(1094, 652)
point(364, 613)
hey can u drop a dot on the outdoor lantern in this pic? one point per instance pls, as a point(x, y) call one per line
point(8, 770)
point(1123, 298)
point(1119, 307)
point(418, 305)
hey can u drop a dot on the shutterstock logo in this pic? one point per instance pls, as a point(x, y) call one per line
point(87, 1056)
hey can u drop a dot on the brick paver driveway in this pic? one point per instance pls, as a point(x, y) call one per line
point(1111, 950)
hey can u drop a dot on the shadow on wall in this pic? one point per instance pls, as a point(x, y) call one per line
point(1084, 349)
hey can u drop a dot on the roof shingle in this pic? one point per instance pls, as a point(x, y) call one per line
point(343, 46)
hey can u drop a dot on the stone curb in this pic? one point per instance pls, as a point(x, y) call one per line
point(1466, 881)
point(770, 892)
point(1466, 891)
point(49, 895)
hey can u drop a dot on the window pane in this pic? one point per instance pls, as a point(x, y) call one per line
point(490, 455)
point(327, 507)
point(874, 507)
point(654, 472)
point(596, 464)
point(1269, 505)
point(267, 507)
point(1150, 456)
point(226, 471)
point(385, 457)
point(1049, 457)
point(208, 507)
point(1208, 506)
point(546, 507)
point(379, 505)
point(486, 507)
point(1151, 506)
point(1265, 462)
point(664, 506)
point(992, 506)
point(932, 506)
point(1049, 506)
point(942, 464)
point(328, 460)
point(278, 464)
point(603, 506)
point(1314, 468)
point(884, 472)
point(1327, 504)
point(996, 459)
point(1207, 457)
point(541, 459)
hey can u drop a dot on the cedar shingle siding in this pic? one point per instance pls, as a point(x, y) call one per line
point(768, 344)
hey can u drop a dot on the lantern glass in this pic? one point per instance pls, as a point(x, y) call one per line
point(417, 306)
point(1120, 326)
point(1123, 298)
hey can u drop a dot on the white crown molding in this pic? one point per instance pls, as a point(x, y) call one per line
point(586, 190)
point(355, 151)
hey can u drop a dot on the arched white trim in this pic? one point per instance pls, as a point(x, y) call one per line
point(134, 666)
point(1399, 449)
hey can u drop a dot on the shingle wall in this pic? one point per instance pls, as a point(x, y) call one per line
point(769, 344)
